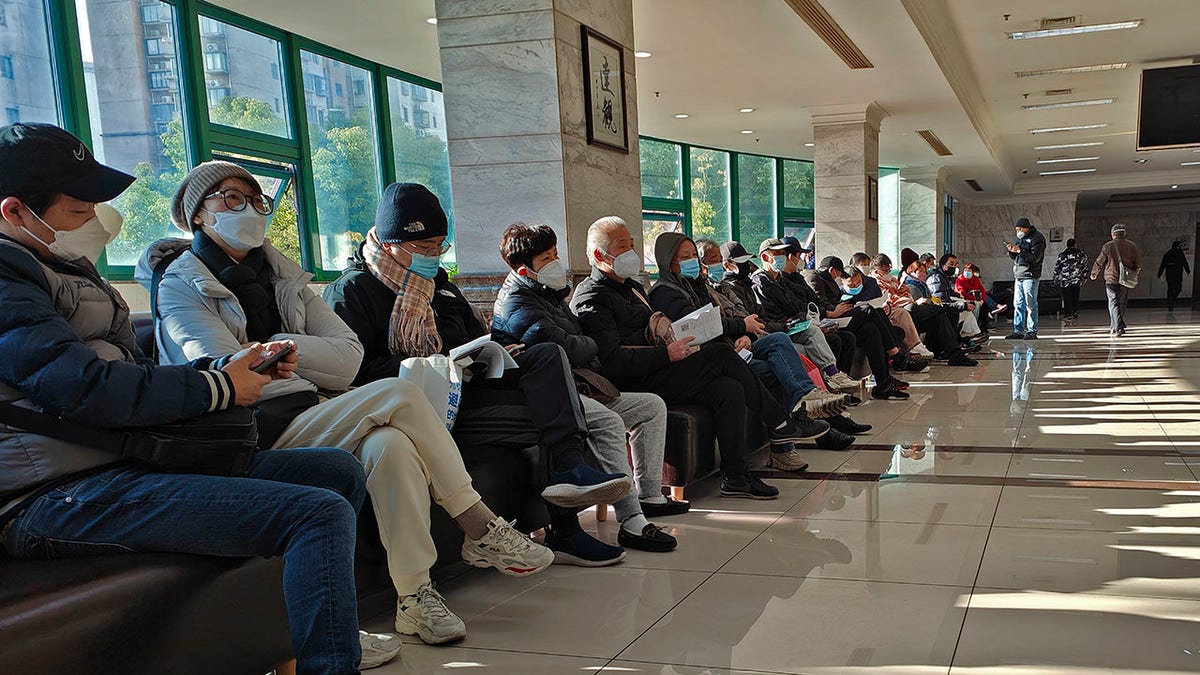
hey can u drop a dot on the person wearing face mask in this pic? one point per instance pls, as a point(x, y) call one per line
point(531, 309)
point(69, 348)
point(862, 262)
point(1027, 255)
point(940, 279)
point(970, 285)
point(229, 287)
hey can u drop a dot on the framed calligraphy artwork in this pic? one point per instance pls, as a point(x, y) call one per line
point(604, 91)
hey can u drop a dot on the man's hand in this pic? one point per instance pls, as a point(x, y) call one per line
point(681, 349)
point(1013, 248)
point(754, 326)
point(513, 350)
point(741, 343)
point(247, 384)
point(841, 309)
point(285, 366)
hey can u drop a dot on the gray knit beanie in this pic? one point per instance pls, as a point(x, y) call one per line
point(198, 184)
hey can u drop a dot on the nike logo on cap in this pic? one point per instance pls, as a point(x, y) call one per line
point(81, 152)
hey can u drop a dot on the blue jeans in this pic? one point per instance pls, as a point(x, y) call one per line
point(1025, 306)
point(298, 504)
point(777, 350)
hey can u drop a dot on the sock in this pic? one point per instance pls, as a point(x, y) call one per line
point(831, 370)
point(635, 524)
point(474, 521)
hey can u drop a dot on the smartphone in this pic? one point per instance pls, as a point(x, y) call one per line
point(271, 360)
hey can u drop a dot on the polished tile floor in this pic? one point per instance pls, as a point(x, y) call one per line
point(1036, 514)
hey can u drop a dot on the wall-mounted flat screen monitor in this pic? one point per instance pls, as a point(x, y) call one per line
point(1169, 108)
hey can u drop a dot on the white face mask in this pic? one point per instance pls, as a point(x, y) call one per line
point(86, 241)
point(627, 265)
point(1020, 234)
point(865, 269)
point(552, 275)
point(242, 230)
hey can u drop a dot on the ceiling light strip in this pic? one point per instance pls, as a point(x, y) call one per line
point(1074, 30)
point(1069, 104)
point(1189, 164)
point(821, 23)
point(1077, 127)
point(1065, 171)
point(1059, 146)
point(1099, 67)
point(1067, 159)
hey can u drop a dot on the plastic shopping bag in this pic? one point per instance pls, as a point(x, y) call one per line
point(441, 381)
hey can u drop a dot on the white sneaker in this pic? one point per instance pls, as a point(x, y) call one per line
point(842, 382)
point(922, 350)
point(377, 648)
point(507, 550)
point(787, 461)
point(425, 615)
point(822, 404)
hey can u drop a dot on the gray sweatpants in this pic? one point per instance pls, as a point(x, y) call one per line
point(644, 418)
point(812, 343)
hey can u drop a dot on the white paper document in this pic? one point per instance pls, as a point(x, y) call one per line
point(879, 302)
point(483, 350)
point(703, 324)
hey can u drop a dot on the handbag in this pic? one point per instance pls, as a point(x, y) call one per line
point(595, 386)
point(219, 443)
point(1126, 276)
point(274, 415)
point(659, 331)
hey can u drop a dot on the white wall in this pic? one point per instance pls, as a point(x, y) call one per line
point(1152, 231)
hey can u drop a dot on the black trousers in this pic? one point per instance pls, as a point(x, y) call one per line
point(844, 346)
point(1174, 288)
point(718, 379)
point(940, 335)
point(874, 333)
point(1070, 299)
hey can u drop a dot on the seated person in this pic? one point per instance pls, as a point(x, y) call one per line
point(531, 309)
point(969, 284)
point(786, 297)
point(615, 312)
point(940, 280)
point(737, 295)
point(400, 303)
point(910, 339)
point(229, 287)
point(69, 351)
point(928, 318)
point(898, 301)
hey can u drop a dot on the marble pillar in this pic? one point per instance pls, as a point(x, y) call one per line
point(512, 74)
point(920, 211)
point(845, 156)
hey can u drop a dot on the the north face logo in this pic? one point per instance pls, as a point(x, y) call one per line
point(415, 226)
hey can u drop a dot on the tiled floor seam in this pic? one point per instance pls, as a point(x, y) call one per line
point(978, 570)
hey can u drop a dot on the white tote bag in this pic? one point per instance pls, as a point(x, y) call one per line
point(441, 381)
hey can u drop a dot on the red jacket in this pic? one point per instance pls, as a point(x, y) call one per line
point(968, 287)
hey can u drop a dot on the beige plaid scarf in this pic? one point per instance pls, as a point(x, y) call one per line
point(412, 330)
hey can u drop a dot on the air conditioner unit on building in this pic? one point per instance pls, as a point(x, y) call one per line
point(214, 83)
point(211, 47)
point(164, 99)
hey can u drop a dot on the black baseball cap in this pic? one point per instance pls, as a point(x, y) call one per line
point(41, 157)
point(771, 244)
point(831, 262)
point(733, 251)
point(794, 245)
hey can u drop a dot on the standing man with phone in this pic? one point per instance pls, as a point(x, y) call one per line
point(1027, 255)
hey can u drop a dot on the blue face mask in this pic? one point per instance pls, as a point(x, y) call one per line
point(424, 265)
point(852, 291)
point(716, 272)
point(779, 262)
point(690, 268)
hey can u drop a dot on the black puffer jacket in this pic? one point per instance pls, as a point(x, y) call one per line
point(828, 292)
point(739, 287)
point(529, 313)
point(615, 315)
point(779, 302)
point(1027, 264)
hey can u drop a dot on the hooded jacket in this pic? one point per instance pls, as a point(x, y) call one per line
point(1027, 263)
point(529, 313)
point(198, 317)
point(69, 350)
point(780, 302)
point(677, 296)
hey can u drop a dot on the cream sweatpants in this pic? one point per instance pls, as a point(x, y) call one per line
point(408, 457)
point(901, 319)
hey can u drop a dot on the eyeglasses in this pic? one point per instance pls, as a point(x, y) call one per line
point(236, 200)
point(429, 249)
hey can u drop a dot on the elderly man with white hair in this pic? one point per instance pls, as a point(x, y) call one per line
point(614, 310)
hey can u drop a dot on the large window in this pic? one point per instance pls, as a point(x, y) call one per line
point(662, 169)
point(757, 210)
point(345, 159)
point(25, 65)
point(419, 152)
point(709, 182)
point(797, 185)
point(135, 110)
point(237, 75)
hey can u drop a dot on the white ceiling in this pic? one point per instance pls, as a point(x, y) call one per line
point(711, 57)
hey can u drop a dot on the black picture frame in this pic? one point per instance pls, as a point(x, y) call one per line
point(872, 198)
point(597, 91)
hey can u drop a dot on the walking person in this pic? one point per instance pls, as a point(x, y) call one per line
point(1070, 270)
point(1027, 255)
point(1174, 265)
point(1119, 261)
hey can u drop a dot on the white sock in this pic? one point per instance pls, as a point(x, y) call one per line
point(635, 524)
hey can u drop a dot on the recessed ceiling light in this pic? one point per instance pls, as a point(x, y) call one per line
point(1069, 104)
point(1174, 187)
point(1077, 127)
point(1073, 30)
point(1059, 173)
point(642, 55)
point(1066, 159)
point(1189, 164)
point(1073, 69)
point(809, 145)
point(1067, 145)
point(745, 110)
point(432, 21)
point(747, 131)
point(681, 116)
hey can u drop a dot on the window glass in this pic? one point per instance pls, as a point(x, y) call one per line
point(756, 199)
point(283, 229)
point(797, 184)
point(345, 155)
point(662, 169)
point(27, 90)
point(134, 109)
point(710, 194)
point(420, 146)
point(655, 223)
point(237, 77)
point(889, 213)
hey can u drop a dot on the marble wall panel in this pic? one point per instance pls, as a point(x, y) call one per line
point(611, 18)
point(508, 89)
point(496, 28)
point(593, 192)
point(506, 150)
point(980, 231)
point(454, 9)
point(839, 150)
point(1152, 231)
